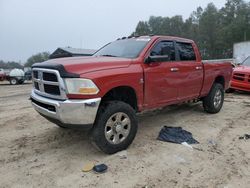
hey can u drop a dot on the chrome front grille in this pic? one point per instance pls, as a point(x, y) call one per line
point(241, 77)
point(48, 83)
point(50, 77)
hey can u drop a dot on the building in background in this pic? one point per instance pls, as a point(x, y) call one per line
point(71, 52)
point(241, 51)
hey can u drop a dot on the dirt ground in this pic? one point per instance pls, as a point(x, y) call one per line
point(36, 153)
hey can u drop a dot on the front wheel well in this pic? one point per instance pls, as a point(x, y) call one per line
point(122, 93)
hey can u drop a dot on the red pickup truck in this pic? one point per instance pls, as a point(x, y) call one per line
point(127, 76)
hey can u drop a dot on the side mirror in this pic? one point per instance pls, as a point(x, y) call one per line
point(154, 59)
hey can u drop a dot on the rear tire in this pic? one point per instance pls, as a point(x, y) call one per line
point(115, 127)
point(213, 102)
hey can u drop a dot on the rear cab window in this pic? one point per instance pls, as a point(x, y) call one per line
point(185, 51)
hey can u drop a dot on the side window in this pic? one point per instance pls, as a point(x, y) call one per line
point(186, 51)
point(164, 48)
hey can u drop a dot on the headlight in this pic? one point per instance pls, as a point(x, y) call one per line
point(81, 86)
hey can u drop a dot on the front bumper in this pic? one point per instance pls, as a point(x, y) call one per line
point(243, 86)
point(67, 112)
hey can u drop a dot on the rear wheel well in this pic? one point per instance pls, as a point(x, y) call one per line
point(122, 93)
point(220, 80)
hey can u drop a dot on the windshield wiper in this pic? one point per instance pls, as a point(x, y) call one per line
point(108, 55)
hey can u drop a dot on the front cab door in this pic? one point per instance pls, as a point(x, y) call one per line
point(161, 74)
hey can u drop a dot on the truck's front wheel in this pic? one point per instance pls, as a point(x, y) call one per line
point(213, 102)
point(115, 127)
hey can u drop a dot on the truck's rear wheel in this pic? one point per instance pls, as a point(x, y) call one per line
point(115, 127)
point(213, 102)
point(13, 81)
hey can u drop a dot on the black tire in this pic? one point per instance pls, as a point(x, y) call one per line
point(13, 81)
point(109, 112)
point(211, 102)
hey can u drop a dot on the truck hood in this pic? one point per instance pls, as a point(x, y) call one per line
point(242, 69)
point(81, 65)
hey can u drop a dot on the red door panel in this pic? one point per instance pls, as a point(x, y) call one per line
point(160, 84)
point(191, 79)
point(190, 71)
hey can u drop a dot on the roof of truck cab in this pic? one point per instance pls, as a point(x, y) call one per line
point(155, 37)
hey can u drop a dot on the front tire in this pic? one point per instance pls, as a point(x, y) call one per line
point(115, 127)
point(213, 102)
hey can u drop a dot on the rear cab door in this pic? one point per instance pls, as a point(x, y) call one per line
point(190, 70)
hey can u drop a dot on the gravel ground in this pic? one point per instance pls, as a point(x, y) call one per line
point(36, 153)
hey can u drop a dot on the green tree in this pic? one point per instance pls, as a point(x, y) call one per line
point(142, 28)
point(235, 24)
point(196, 15)
point(215, 31)
point(37, 58)
point(208, 28)
point(10, 65)
point(155, 24)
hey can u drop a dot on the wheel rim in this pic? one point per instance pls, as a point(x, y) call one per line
point(117, 128)
point(217, 98)
point(13, 81)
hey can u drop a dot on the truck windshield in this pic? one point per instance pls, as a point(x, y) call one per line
point(247, 62)
point(126, 48)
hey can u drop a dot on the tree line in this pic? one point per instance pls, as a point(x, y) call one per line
point(214, 30)
point(10, 65)
point(39, 57)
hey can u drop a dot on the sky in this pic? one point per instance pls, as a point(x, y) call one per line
point(31, 26)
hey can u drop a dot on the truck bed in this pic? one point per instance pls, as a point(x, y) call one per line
point(215, 69)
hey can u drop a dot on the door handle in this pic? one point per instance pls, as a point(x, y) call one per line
point(174, 69)
point(198, 68)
